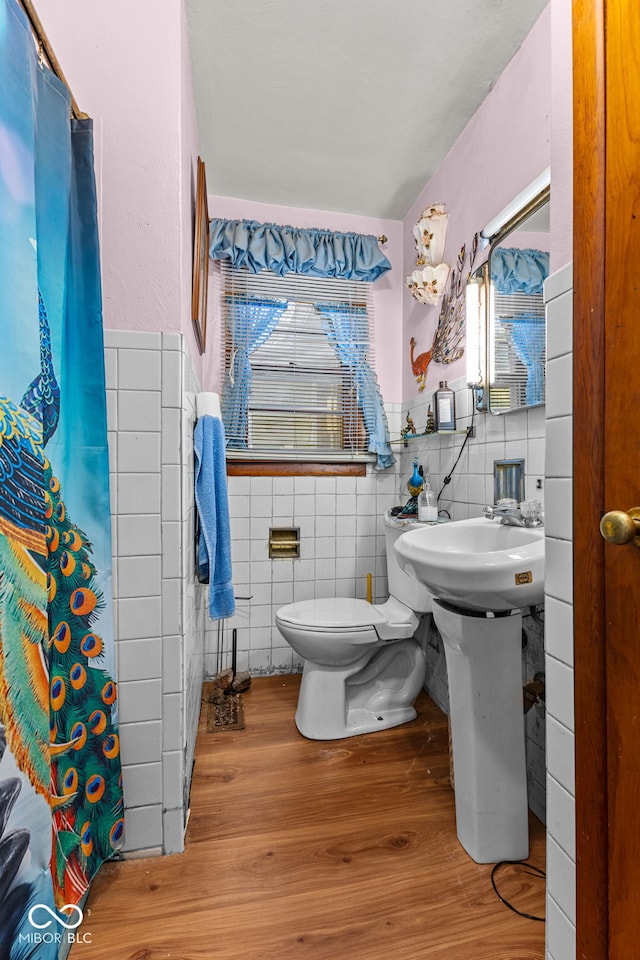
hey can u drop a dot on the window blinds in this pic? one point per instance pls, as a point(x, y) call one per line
point(304, 401)
point(512, 364)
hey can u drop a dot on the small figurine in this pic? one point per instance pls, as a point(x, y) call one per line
point(410, 428)
point(431, 422)
point(415, 482)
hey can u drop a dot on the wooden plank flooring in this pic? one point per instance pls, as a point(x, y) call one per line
point(334, 850)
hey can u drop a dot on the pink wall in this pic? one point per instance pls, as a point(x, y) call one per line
point(529, 241)
point(561, 134)
point(505, 145)
point(136, 83)
point(387, 291)
point(188, 175)
point(127, 64)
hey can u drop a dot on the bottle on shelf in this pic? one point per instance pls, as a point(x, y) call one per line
point(427, 504)
point(444, 401)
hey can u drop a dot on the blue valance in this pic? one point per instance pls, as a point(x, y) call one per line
point(519, 271)
point(283, 249)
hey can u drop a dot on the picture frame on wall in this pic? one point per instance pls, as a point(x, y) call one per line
point(200, 260)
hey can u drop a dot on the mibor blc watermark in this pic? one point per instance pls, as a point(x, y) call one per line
point(49, 925)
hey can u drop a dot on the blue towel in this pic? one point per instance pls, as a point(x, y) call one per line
point(214, 539)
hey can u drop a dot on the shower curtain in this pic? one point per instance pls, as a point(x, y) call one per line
point(60, 780)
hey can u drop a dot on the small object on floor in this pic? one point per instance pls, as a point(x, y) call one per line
point(212, 691)
point(208, 688)
point(228, 715)
point(225, 679)
point(221, 683)
point(241, 682)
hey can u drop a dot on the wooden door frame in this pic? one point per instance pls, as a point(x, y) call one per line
point(588, 479)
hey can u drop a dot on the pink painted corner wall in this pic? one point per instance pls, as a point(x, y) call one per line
point(188, 177)
point(505, 145)
point(128, 66)
point(387, 291)
point(529, 241)
point(561, 134)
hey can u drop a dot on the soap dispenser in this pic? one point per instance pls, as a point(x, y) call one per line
point(427, 504)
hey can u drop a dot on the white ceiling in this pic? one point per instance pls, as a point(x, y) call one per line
point(342, 105)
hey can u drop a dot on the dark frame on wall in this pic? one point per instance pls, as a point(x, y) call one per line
point(200, 260)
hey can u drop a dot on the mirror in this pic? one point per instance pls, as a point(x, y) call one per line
point(505, 317)
point(517, 267)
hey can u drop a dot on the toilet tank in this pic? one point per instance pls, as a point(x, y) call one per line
point(401, 586)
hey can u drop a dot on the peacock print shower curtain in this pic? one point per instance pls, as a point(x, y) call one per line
point(61, 807)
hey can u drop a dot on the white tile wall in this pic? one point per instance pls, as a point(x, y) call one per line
point(559, 623)
point(158, 604)
point(517, 434)
point(341, 538)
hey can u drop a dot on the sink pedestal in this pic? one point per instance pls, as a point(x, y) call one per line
point(484, 665)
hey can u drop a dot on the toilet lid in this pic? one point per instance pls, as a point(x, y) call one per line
point(332, 612)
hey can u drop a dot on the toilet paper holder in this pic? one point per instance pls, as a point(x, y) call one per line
point(284, 543)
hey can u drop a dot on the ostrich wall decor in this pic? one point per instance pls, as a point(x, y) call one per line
point(420, 364)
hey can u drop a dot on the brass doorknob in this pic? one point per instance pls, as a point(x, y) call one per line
point(618, 527)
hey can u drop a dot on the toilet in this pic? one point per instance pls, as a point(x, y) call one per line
point(362, 668)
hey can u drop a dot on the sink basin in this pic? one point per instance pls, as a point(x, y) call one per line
point(477, 564)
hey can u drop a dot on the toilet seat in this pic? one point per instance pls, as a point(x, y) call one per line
point(390, 620)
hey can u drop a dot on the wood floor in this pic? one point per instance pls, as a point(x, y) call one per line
point(335, 850)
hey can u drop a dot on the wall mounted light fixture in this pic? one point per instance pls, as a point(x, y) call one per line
point(428, 280)
point(430, 233)
point(476, 337)
point(427, 283)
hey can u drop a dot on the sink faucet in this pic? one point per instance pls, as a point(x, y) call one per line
point(512, 518)
point(515, 517)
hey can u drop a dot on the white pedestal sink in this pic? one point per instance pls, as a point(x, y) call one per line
point(477, 564)
point(481, 572)
point(484, 666)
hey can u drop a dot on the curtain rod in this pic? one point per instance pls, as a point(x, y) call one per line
point(46, 49)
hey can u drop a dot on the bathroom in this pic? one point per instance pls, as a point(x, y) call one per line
point(166, 645)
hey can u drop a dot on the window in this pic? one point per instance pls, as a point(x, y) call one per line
point(510, 377)
point(298, 367)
